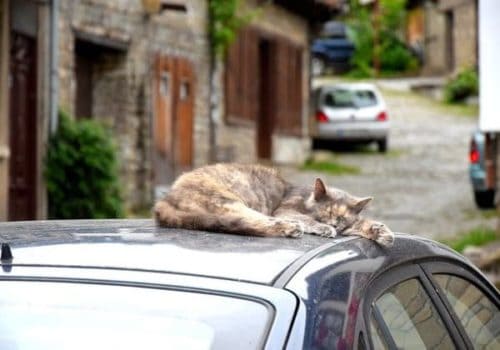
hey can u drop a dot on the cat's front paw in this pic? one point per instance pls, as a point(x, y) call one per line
point(289, 228)
point(382, 234)
point(323, 230)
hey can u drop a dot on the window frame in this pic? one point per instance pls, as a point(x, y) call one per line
point(392, 277)
point(468, 275)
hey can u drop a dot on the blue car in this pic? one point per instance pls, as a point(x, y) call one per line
point(484, 194)
point(129, 285)
point(332, 50)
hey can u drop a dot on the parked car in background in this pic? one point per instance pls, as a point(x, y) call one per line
point(127, 284)
point(484, 194)
point(350, 112)
point(332, 50)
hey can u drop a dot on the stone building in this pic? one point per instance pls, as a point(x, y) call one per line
point(461, 18)
point(146, 76)
point(444, 33)
point(143, 68)
point(112, 61)
point(265, 84)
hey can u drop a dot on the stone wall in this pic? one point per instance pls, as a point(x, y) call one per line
point(465, 35)
point(123, 80)
point(435, 41)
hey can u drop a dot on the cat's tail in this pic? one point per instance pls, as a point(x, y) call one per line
point(166, 215)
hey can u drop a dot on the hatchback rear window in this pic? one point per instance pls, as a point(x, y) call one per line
point(44, 315)
point(343, 98)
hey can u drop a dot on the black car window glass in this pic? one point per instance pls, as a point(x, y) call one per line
point(478, 315)
point(411, 318)
point(339, 99)
point(54, 316)
point(361, 342)
point(350, 98)
point(364, 98)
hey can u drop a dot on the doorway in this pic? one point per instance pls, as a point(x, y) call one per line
point(265, 115)
point(23, 122)
point(173, 118)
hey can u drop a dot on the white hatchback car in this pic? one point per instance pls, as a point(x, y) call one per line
point(353, 112)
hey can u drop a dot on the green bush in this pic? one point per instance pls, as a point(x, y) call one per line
point(465, 84)
point(393, 55)
point(81, 172)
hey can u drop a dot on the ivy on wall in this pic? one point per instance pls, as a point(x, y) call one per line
point(226, 18)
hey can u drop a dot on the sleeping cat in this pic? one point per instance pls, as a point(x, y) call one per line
point(255, 200)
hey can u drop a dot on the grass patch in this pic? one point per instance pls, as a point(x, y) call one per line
point(475, 237)
point(330, 167)
point(459, 109)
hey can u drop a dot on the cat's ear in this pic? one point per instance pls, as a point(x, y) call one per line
point(361, 203)
point(319, 189)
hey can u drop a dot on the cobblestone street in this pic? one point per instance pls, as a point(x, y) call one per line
point(421, 185)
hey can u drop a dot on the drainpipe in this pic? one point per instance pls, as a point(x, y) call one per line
point(212, 137)
point(54, 62)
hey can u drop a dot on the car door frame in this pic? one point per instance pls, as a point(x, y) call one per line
point(464, 272)
point(393, 277)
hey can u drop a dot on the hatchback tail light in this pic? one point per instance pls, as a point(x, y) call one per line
point(382, 116)
point(321, 117)
point(474, 153)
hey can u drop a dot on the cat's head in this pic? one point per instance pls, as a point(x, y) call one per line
point(334, 207)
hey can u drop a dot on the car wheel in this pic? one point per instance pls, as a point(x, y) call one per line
point(318, 66)
point(485, 199)
point(382, 145)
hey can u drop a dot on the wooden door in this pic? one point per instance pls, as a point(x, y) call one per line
point(23, 122)
point(173, 117)
point(184, 108)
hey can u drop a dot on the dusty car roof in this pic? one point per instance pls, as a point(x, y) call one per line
point(139, 244)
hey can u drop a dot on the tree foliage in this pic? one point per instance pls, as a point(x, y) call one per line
point(226, 19)
point(393, 54)
point(81, 172)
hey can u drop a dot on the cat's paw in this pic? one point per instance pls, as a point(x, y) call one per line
point(324, 231)
point(382, 234)
point(290, 228)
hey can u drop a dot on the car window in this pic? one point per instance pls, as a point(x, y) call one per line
point(377, 336)
point(411, 319)
point(364, 98)
point(478, 315)
point(339, 99)
point(343, 98)
point(43, 316)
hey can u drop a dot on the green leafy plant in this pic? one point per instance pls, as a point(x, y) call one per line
point(330, 167)
point(225, 22)
point(465, 84)
point(81, 171)
point(391, 51)
point(475, 237)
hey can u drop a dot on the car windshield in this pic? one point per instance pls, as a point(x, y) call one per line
point(344, 98)
point(43, 316)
